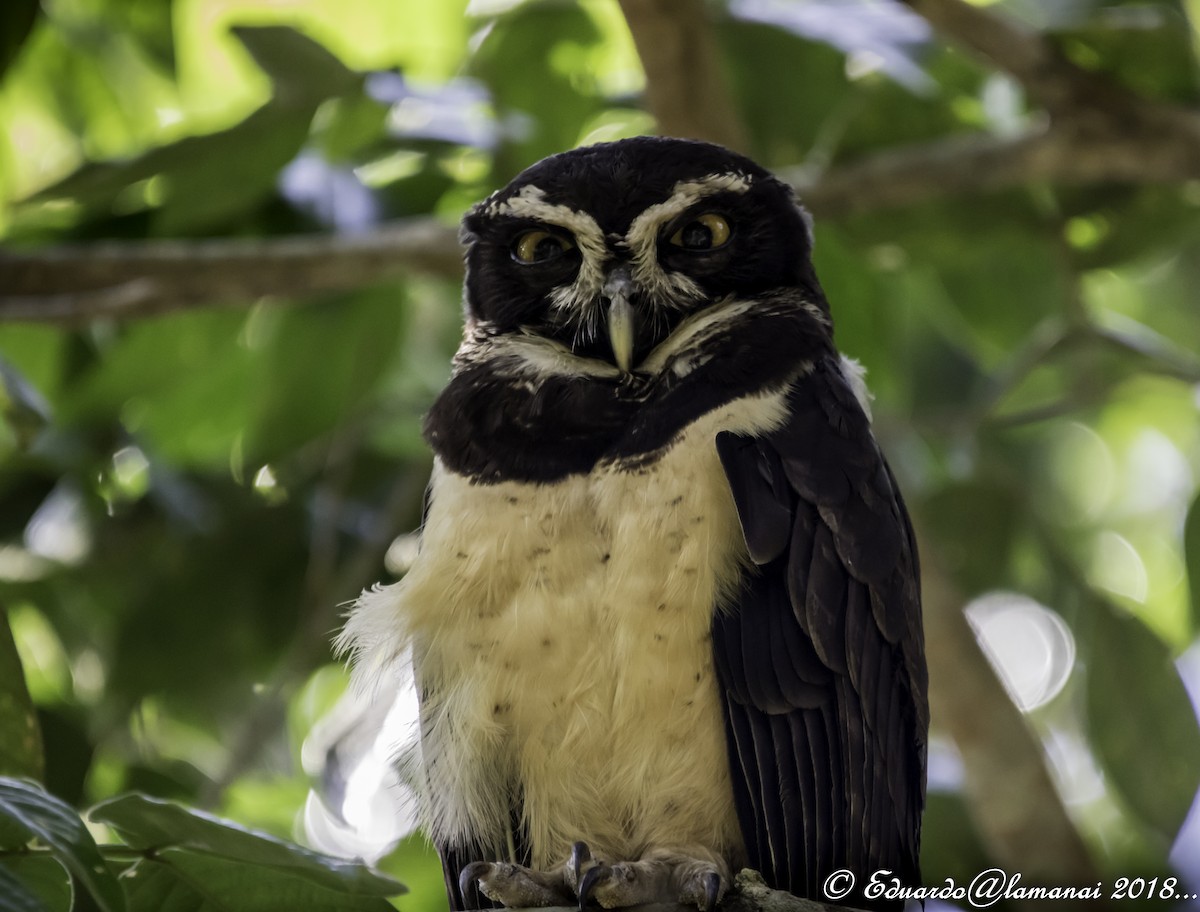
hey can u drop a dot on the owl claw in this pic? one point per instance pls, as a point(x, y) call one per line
point(468, 882)
point(712, 890)
point(587, 882)
point(701, 889)
point(513, 885)
point(593, 876)
point(581, 855)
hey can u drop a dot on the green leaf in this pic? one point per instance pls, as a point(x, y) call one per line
point(987, 273)
point(231, 589)
point(1191, 555)
point(165, 376)
point(536, 60)
point(22, 407)
point(33, 883)
point(303, 71)
point(351, 126)
point(199, 182)
point(950, 844)
point(36, 354)
point(1147, 47)
point(177, 880)
point(304, 74)
point(1112, 225)
point(39, 815)
point(195, 183)
point(416, 860)
point(149, 22)
point(20, 737)
point(145, 823)
point(761, 54)
point(978, 555)
point(68, 750)
point(17, 18)
point(309, 386)
point(1140, 720)
point(15, 895)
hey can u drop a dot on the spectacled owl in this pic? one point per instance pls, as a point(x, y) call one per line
point(665, 618)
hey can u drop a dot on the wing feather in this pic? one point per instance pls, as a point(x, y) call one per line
point(762, 678)
point(822, 760)
point(824, 601)
point(797, 787)
point(774, 822)
point(748, 788)
point(760, 484)
point(821, 657)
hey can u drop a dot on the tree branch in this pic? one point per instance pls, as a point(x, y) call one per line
point(686, 90)
point(1021, 52)
point(750, 893)
point(912, 174)
point(1113, 129)
point(1013, 800)
point(1106, 134)
point(73, 283)
point(1165, 149)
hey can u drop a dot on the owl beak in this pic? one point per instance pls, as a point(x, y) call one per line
point(618, 286)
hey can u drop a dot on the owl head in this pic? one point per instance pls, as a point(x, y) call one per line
point(608, 248)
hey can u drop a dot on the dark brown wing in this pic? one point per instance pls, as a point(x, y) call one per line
point(821, 656)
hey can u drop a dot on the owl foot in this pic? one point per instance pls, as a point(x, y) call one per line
point(659, 877)
point(514, 885)
point(664, 877)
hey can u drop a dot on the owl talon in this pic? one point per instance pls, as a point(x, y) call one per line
point(581, 861)
point(513, 885)
point(468, 884)
point(593, 876)
point(712, 890)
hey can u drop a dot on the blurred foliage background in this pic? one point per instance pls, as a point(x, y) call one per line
point(196, 473)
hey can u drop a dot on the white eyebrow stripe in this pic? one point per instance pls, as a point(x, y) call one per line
point(684, 195)
point(642, 236)
point(530, 202)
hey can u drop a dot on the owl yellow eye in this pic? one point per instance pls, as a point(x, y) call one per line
point(539, 246)
point(705, 232)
